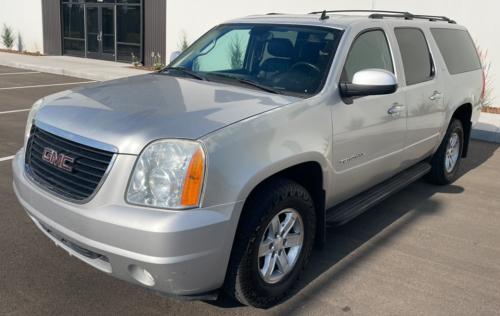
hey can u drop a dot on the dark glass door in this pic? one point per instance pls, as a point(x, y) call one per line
point(101, 32)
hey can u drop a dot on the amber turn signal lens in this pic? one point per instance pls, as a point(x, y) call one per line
point(194, 179)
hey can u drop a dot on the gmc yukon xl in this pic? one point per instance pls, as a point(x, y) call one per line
point(223, 170)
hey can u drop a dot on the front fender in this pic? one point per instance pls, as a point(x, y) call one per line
point(244, 154)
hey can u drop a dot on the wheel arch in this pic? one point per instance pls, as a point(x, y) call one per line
point(463, 113)
point(311, 175)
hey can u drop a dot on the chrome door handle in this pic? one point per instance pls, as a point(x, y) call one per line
point(396, 108)
point(437, 95)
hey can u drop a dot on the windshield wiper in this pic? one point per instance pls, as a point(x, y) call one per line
point(247, 81)
point(187, 71)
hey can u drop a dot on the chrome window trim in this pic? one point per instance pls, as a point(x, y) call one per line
point(78, 139)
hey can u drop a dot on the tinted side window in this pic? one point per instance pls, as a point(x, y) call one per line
point(370, 50)
point(457, 49)
point(415, 53)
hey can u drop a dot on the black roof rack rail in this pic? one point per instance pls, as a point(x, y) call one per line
point(373, 11)
point(380, 14)
point(431, 18)
point(434, 18)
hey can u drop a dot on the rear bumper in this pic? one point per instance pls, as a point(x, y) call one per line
point(185, 252)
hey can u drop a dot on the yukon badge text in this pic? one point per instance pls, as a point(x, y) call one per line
point(343, 161)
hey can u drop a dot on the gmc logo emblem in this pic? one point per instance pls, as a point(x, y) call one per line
point(51, 156)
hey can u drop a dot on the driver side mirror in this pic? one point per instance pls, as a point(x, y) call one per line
point(174, 55)
point(370, 82)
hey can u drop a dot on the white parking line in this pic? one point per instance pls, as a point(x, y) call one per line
point(20, 73)
point(46, 85)
point(7, 158)
point(6, 112)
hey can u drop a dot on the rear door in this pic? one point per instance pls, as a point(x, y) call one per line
point(424, 94)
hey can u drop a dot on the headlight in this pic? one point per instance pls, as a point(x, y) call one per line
point(31, 116)
point(168, 174)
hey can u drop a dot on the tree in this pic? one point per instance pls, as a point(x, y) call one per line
point(7, 36)
point(235, 52)
point(183, 41)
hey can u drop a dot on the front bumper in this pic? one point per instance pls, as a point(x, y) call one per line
point(185, 252)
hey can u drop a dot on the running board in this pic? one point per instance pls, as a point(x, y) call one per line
point(347, 210)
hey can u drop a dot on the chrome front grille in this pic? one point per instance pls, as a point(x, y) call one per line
point(67, 168)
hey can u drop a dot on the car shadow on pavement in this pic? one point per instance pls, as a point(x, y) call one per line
point(348, 246)
point(479, 152)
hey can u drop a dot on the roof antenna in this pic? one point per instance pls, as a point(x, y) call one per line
point(324, 16)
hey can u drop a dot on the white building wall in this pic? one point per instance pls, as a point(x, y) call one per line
point(25, 17)
point(480, 17)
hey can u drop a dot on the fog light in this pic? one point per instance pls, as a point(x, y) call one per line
point(141, 275)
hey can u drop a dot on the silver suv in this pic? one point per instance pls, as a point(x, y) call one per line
point(223, 169)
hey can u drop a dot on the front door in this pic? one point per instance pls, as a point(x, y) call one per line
point(368, 138)
point(101, 32)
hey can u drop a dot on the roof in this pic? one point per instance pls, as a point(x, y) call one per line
point(336, 19)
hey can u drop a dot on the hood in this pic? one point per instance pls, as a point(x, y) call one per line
point(129, 113)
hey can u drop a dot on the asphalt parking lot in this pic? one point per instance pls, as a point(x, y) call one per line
point(427, 250)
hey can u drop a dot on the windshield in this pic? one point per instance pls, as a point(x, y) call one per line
point(284, 59)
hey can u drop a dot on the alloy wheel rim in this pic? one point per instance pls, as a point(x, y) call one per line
point(280, 246)
point(452, 151)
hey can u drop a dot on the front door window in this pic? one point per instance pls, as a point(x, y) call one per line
point(370, 51)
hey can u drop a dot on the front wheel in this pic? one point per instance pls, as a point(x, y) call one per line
point(274, 240)
point(446, 160)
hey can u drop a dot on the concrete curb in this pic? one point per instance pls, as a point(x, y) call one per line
point(488, 128)
point(486, 134)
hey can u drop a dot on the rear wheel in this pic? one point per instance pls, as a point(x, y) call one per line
point(274, 240)
point(446, 160)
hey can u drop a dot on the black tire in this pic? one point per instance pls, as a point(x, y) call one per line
point(439, 174)
point(243, 279)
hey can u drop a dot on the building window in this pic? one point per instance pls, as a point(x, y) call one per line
point(73, 29)
point(129, 31)
point(102, 29)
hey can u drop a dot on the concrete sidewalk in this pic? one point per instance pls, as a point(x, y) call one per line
point(71, 66)
point(488, 128)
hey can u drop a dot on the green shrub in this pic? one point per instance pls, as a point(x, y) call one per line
point(135, 61)
point(158, 65)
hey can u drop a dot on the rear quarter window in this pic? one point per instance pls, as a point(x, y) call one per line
point(458, 50)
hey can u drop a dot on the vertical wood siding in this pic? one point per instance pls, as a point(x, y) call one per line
point(51, 20)
point(155, 30)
